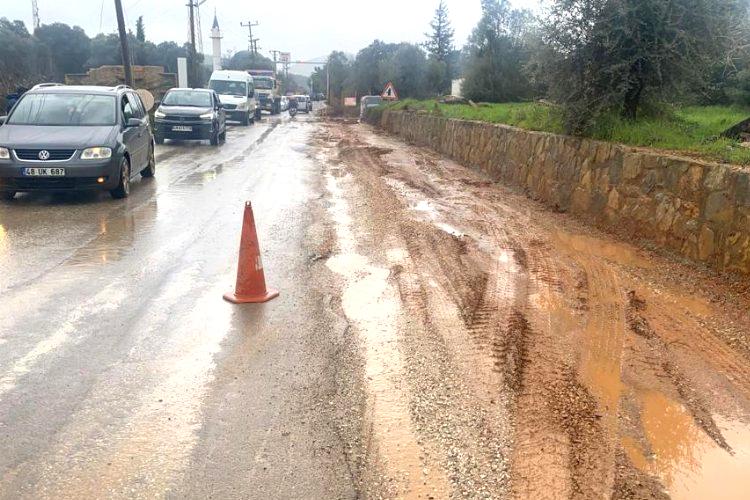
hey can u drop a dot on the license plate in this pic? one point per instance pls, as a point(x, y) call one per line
point(182, 128)
point(44, 172)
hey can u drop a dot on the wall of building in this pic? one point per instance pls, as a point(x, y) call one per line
point(700, 210)
point(151, 78)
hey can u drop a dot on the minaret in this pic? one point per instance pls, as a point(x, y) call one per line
point(216, 37)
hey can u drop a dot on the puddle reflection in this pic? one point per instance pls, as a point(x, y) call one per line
point(688, 462)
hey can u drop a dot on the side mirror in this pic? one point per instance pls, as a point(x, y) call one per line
point(133, 122)
point(3, 119)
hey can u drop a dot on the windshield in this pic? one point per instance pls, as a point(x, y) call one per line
point(226, 87)
point(195, 98)
point(64, 109)
point(263, 83)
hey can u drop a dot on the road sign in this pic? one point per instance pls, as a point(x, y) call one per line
point(350, 101)
point(285, 57)
point(389, 92)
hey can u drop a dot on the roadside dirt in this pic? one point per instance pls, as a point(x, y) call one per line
point(508, 350)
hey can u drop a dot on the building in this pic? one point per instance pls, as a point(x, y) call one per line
point(216, 39)
point(151, 78)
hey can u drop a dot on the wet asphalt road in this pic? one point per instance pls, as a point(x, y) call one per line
point(123, 373)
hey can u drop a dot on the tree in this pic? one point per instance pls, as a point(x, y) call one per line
point(407, 69)
point(442, 52)
point(496, 54)
point(439, 42)
point(104, 50)
point(339, 69)
point(17, 71)
point(613, 54)
point(245, 59)
point(166, 55)
point(69, 48)
point(140, 31)
point(366, 69)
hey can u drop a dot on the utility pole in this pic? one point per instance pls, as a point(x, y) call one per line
point(192, 55)
point(251, 42)
point(124, 44)
point(275, 54)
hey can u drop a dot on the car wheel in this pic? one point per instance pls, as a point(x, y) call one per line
point(159, 139)
point(7, 195)
point(258, 114)
point(223, 136)
point(215, 138)
point(123, 187)
point(150, 169)
point(246, 119)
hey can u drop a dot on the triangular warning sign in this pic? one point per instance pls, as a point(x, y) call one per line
point(389, 92)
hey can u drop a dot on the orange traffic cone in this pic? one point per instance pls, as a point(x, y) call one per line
point(251, 282)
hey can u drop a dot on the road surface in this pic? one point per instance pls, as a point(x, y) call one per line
point(437, 336)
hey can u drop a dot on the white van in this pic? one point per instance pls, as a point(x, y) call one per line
point(237, 93)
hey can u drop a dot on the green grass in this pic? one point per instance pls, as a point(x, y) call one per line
point(691, 130)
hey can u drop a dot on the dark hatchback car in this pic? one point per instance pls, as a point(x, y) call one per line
point(62, 138)
point(191, 114)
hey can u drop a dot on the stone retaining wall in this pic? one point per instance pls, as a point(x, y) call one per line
point(700, 210)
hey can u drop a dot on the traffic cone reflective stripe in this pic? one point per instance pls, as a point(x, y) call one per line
point(251, 281)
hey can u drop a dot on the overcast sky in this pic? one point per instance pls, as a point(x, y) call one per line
point(306, 28)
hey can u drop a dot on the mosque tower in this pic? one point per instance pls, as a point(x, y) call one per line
point(216, 38)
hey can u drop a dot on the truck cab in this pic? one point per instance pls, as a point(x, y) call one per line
point(237, 93)
point(268, 92)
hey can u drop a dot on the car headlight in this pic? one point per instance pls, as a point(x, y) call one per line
point(4, 154)
point(242, 105)
point(207, 116)
point(159, 114)
point(96, 154)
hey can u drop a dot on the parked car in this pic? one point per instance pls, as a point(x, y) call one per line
point(368, 101)
point(304, 104)
point(60, 138)
point(191, 114)
point(236, 91)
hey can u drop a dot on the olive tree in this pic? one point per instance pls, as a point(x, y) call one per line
point(612, 54)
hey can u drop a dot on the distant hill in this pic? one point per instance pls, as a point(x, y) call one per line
point(306, 69)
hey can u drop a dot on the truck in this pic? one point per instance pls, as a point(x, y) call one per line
point(237, 93)
point(267, 89)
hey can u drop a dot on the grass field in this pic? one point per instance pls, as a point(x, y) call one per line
point(692, 130)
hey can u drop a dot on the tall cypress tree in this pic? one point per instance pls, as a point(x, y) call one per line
point(140, 31)
point(440, 41)
point(442, 53)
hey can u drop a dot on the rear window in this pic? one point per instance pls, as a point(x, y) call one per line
point(195, 98)
point(263, 83)
point(228, 87)
point(64, 109)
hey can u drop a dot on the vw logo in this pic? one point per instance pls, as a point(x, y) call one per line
point(43, 155)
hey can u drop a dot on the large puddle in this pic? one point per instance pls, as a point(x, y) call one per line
point(687, 461)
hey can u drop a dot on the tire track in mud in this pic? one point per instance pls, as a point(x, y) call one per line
point(539, 323)
point(556, 436)
point(664, 367)
point(472, 435)
point(526, 365)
